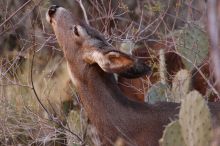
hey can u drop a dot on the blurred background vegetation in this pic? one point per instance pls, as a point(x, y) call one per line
point(32, 66)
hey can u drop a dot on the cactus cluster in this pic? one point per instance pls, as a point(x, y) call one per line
point(194, 125)
point(161, 91)
point(193, 128)
point(192, 44)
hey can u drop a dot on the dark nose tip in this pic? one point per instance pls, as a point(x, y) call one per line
point(52, 10)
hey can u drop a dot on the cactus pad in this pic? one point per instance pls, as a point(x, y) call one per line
point(181, 85)
point(158, 92)
point(195, 120)
point(193, 44)
point(172, 135)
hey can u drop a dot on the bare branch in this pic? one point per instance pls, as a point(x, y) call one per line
point(84, 11)
point(15, 12)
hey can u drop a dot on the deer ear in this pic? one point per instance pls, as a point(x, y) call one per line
point(112, 61)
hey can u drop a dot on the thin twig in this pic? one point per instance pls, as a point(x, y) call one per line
point(84, 11)
point(33, 88)
point(15, 12)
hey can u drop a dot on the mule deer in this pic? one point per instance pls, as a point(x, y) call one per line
point(91, 63)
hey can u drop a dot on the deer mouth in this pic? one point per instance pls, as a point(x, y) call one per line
point(51, 12)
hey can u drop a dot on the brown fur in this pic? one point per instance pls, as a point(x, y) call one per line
point(113, 115)
point(200, 84)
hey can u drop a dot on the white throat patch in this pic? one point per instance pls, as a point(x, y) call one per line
point(72, 77)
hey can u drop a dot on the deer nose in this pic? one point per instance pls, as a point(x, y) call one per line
point(52, 10)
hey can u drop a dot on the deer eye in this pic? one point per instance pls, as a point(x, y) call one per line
point(75, 30)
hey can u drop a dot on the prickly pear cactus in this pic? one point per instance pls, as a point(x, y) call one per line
point(192, 44)
point(172, 135)
point(181, 85)
point(195, 120)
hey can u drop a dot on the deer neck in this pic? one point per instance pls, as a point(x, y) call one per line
point(94, 86)
point(99, 93)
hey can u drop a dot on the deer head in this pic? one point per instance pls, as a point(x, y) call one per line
point(86, 45)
